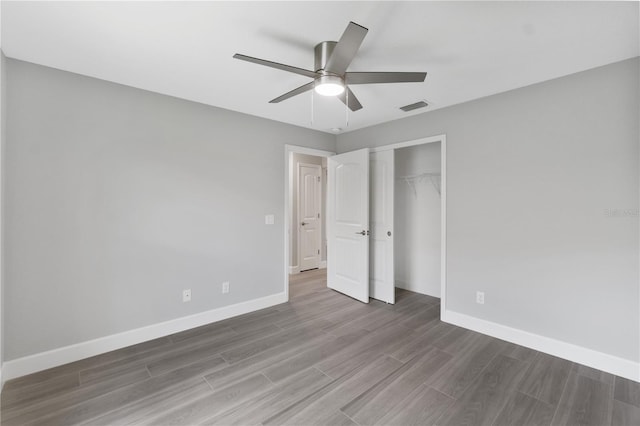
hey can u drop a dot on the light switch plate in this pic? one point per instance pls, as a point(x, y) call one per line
point(269, 219)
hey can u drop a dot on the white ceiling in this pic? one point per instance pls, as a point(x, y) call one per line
point(185, 49)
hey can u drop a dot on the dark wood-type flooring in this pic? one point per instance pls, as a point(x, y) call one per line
point(324, 359)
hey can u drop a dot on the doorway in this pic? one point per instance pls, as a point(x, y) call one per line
point(305, 230)
point(419, 217)
point(418, 178)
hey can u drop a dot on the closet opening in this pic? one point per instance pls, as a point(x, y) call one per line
point(418, 218)
point(406, 220)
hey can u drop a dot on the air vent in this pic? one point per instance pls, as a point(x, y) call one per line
point(417, 105)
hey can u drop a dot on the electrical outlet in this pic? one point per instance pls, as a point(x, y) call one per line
point(480, 297)
point(186, 295)
point(225, 287)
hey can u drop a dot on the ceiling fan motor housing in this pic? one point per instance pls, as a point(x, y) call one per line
point(322, 53)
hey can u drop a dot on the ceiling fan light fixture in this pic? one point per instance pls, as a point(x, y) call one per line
point(329, 85)
point(330, 73)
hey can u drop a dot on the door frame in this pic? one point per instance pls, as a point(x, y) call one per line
point(288, 150)
point(319, 200)
point(443, 206)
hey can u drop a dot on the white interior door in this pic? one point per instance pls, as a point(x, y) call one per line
point(309, 197)
point(381, 271)
point(348, 224)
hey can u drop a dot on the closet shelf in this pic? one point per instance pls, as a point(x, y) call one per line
point(433, 177)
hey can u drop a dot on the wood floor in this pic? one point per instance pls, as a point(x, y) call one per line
point(324, 358)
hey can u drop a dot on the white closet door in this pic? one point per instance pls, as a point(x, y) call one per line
point(381, 272)
point(348, 224)
point(309, 215)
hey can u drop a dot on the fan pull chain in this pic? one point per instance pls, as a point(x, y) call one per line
point(346, 110)
point(312, 107)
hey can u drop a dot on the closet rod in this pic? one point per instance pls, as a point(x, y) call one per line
point(418, 176)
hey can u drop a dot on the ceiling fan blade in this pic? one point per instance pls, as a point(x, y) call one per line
point(354, 104)
point(346, 49)
point(276, 65)
point(384, 77)
point(293, 93)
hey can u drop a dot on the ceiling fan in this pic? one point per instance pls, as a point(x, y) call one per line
point(331, 77)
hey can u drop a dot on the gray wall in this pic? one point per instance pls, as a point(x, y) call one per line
point(117, 199)
point(417, 217)
point(533, 176)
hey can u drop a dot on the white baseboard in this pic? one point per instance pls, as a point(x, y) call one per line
point(296, 269)
point(589, 357)
point(55, 357)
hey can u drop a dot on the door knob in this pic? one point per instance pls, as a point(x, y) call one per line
point(303, 223)
point(362, 233)
point(388, 233)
